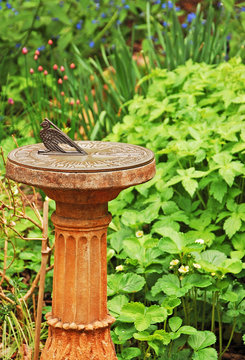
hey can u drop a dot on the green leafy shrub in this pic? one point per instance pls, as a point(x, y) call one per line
point(179, 241)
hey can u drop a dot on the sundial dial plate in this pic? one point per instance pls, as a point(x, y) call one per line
point(101, 157)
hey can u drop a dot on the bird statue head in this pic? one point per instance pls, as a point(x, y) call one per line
point(45, 124)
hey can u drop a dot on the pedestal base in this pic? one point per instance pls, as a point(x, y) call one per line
point(79, 345)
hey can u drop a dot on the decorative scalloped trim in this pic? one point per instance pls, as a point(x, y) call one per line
point(55, 322)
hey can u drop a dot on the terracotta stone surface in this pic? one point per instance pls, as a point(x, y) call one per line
point(79, 321)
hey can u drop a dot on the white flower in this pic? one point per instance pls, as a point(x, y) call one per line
point(119, 268)
point(139, 233)
point(15, 191)
point(200, 241)
point(183, 269)
point(47, 198)
point(174, 262)
point(12, 223)
point(170, 267)
point(197, 266)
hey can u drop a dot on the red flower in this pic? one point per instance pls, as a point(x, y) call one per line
point(55, 67)
point(72, 66)
point(37, 52)
point(62, 68)
point(50, 42)
point(78, 101)
point(72, 102)
point(40, 68)
point(24, 51)
point(62, 93)
point(35, 57)
point(60, 81)
point(11, 101)
point(45, 72)
point(65, 77)
point(31, 71)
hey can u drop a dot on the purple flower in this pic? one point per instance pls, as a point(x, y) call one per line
point(191, 17)
point(91, 44)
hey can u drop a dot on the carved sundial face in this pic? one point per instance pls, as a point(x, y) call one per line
point(102, 156)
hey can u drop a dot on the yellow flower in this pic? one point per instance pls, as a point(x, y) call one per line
point(119, 268)
point(213, 274)
point(183, 269)
point(139, 233)
point(174, 262)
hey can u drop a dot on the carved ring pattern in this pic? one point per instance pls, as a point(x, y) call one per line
point(55, 322)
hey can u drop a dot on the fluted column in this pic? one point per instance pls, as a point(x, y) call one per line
point(79, 322)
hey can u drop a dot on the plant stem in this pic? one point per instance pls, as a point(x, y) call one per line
point(213, 312)
point(204, 309)
point(184, 308)
point(220, 326)
point(230, 339)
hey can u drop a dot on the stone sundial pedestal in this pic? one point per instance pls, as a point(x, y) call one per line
point(81, 185)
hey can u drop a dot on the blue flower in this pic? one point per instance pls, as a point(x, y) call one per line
point(55, 19)
point(184, 25)
point(18, 45)
point(79, 26)
point(177, 8)
point(41, 48)
point(228, 37)
point(0, 7)
point(16, 13)
point(165, 23)
point(8, 6)
point(119, 22)
point(94, 21)
point(157, 2)
point(163, 6)
point(242, 9)
point(126, 6)
point(91, 44)
point(37, 17)
point(103, 15)
point(123, 1)
point(191, 17)
point(61, 3)
point(170, 5)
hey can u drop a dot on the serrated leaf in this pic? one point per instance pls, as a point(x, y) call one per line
point(232, 224)
point(205, 354)
point(175, 323)
point(201, 339)
point(218, 189)
point(190, 185)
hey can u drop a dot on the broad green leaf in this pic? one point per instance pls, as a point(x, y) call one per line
point(175, 323)
point(116, 303)
point(125, 283)
point(170, 285)
point(124, 331)
point(205, 354)
point(130, 353)
point(201, 340)
point(190, 185)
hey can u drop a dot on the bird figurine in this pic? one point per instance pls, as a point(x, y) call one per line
point(52, 137)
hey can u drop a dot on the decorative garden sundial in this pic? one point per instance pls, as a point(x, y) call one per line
point(81, 183)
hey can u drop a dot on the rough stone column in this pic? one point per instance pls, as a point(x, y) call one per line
point(79, 322)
